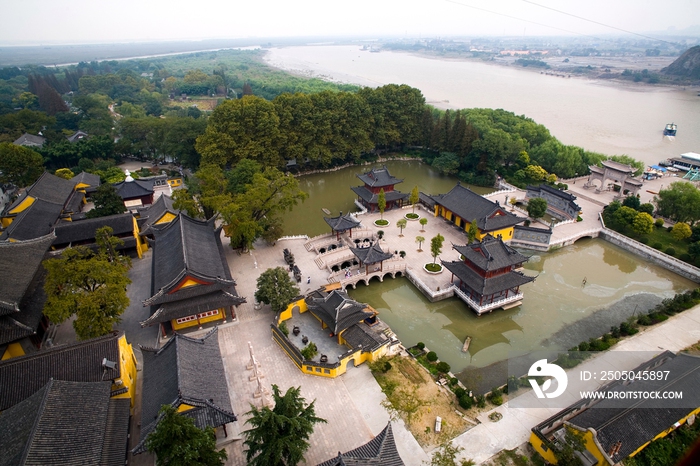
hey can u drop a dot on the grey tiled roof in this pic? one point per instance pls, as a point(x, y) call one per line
point(486, 286)
point(34, 221)
point(19, 261)
point(79, 362)
point(87, 178)
point(153, 213)
point(554, 191)
point(83, 231)
point(372, 198)
point(185, 371)
point(468, 205)
point(635, 422)
point(342, 222)
point(337, 310)
point(378, 177)
point(216, 299)
point(187, 248)
point(51, 188)
point(65, 423)
point(133, 189)
point(490, 254)
point(30, 140)
point(77, 136)
point(362, 335)
point(372, 254)
point(617, 166)
point(380, 451)
point(25, 323)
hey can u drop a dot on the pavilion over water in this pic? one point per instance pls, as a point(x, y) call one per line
point(371, 255)
point(375, 180)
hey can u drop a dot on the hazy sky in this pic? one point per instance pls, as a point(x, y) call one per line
point(71, 21)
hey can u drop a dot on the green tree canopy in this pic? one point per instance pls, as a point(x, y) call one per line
point(276, 288)
point(401, 223)
point(680, 202)
point(420, 240)
point(414, 197)
point(436, 246)
point(381, 202)
point(19, 165)
point(423, 222)
point(681, 231)
point(91, 285)
point(643, 223)
point(280, 436)
point(107, 202)
point(473, 232)
point(536, 207)
point(239, 129)
point(177, 441)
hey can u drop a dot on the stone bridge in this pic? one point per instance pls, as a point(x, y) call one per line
point(390, 267)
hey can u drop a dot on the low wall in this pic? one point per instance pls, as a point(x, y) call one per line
point(433, 296)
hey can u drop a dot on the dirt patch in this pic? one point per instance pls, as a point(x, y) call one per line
point(524, 455)
point(418, 400)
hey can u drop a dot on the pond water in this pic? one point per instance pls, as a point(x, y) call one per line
point(558, 310)
point(331, 190)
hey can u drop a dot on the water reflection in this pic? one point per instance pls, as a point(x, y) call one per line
point(556, 301)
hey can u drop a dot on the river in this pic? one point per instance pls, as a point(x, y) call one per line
point(598, 115)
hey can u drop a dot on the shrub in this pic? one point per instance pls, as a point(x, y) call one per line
point(402, 254)
point(443, 367)
point(465, 401)
point(626, 328)
point(420, 345)
point(657, 246)
point(644, 240)
point(615, 332)
point(481, 401)
point(283, 328)
point(644, 320)
point(309, 351)
point(496, 400)
point(386, 367)
point(432, 356)
point(659, 223)
point(584, 346)
point(380, 234)
point(670, 251)
point(453, 381)
point(686, 257)
point(460, 392)
point(668, 229)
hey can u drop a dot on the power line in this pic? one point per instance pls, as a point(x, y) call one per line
point(596, 22)
point(519, 19)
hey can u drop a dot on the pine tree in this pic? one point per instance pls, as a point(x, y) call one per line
point(280, 436)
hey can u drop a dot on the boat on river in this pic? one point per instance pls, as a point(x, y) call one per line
point(670, 129)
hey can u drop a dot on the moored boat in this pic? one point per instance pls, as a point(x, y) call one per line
point(670, 129)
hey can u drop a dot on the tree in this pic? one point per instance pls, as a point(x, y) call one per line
point(536, 207)
point(64, 173)
point(680, 202)
point(91, 285)
point(643, 223)
point(381, 202)
point(436, 246)
point(473, 232)
point(19, 165)
point(183, 200)
point(423, 222)
point(565, 451)
point(107, 202)
point(414, 197)
point(632, 201)
point(446, 455)
point(420, 240)
point(280, 436)
point(681, 231)
point(401, 223)
point(276, 288)
point(512, 202)
point(177, 441)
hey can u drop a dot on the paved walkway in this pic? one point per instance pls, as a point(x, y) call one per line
point(488, 438)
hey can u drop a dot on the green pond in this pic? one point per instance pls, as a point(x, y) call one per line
point(558, 309)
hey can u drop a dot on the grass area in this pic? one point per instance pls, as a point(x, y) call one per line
point(414, 397)
point(381, 222)
point(524, 455)
point(433, 267)
point(412, 216)
point(664, 238)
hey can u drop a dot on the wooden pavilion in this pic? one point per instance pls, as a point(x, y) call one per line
point(371, 255)
point(342, 223)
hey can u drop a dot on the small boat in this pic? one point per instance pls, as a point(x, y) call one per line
point(670, 129)
point(326, 211)
point(467, 342)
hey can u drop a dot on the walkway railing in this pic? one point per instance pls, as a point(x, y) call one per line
point(479, 308)
point(592, 232)
point(284, 238)
point(393, 266)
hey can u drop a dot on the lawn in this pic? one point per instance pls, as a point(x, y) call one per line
point(663, 237)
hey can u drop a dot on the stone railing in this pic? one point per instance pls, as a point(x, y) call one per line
point(592, 232)
point(565, 222)
point(285, 238)
point(482, 308)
